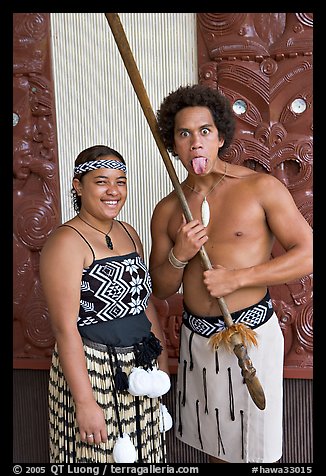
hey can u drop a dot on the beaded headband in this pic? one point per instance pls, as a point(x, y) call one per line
point(99, 164)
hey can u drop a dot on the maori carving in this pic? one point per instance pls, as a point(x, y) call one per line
point(36, 206)
point(170, 315)
point(263, 63)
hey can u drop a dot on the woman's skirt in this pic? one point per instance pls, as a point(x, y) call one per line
point(215, 412)
point(138, 416)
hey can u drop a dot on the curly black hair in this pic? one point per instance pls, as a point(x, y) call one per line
point(190, 96)
point(89, 155)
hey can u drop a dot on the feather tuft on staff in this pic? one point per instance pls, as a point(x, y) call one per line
point(247, 335)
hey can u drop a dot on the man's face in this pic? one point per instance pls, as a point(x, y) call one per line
point(196, 139)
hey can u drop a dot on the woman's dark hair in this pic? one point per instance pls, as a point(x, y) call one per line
point(191, 96)
point(89, 155)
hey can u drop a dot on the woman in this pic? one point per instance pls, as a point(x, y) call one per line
point(108, 338)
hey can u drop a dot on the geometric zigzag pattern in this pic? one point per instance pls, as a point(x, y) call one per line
point(99, 164)
point(253, 317)
point(113, 288)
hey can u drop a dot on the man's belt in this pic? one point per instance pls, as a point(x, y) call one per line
point(253, 316)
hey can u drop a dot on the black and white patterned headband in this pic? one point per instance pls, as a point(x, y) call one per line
point(99, 164)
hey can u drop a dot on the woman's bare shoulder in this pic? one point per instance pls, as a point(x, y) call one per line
point(130, 229)
point(62, 238)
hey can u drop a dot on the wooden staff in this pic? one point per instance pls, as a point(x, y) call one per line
point(235, 332)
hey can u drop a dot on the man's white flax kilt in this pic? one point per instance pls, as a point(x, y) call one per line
point(215, 412)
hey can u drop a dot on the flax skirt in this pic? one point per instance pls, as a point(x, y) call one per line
point(141, 412)
point(215, 412)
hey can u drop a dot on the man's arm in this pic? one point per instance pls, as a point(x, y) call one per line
point(166, 279)
point(292, 231)
point(167, 273)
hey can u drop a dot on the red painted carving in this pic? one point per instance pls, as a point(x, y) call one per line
point(265, 60)
point(170, 315)
point(36, 185)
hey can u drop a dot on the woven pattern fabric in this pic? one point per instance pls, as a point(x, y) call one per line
point(65, 443)
point(113, 288)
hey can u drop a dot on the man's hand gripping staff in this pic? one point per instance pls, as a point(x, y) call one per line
point(236, 335)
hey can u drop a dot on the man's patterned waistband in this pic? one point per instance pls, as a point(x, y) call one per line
point(253, 316)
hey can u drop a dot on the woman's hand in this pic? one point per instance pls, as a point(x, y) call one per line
point(91, 422)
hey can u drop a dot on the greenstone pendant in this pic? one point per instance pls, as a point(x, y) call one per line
point(109, 242)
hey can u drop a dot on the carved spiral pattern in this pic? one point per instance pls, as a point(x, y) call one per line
point(306, 18)
point(233, 152)
point(37, 328)
point(32, 224)
point(268, 67)
point(32, 27)
point(304, 151)
point(223, 23)
point(303, 171)
point(304, 327)
point(286, 316)
point(270, 136)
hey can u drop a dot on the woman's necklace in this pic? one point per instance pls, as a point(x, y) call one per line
point(205, 211)
point(107, 238)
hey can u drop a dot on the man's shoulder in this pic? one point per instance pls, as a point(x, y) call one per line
point(169, 199)
point(240, 171)
point(243, 172)
point(167, 206)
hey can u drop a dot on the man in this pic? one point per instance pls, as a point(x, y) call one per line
point(237, 215)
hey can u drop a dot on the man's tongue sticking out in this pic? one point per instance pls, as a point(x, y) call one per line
point(199, 165)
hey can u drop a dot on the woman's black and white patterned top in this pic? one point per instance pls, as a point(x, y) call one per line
point(113, 288)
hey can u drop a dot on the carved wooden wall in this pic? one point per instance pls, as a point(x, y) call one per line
point(263, 63)
point(36, 184)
